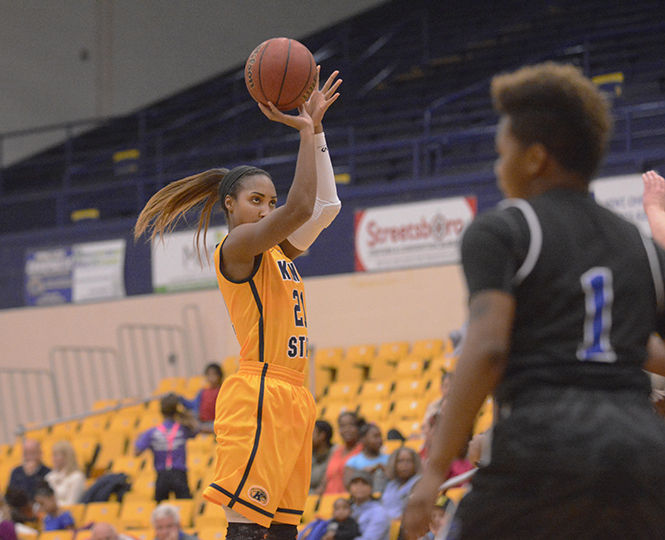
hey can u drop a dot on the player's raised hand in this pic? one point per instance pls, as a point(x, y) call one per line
point(301, 121)
point(654, 191)
point(322, 98)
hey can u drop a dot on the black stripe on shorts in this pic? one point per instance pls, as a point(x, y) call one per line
point(259, 414)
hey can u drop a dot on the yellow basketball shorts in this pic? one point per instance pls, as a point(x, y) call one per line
point(264, 418)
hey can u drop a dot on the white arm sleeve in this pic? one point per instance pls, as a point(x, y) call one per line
point(327, 204)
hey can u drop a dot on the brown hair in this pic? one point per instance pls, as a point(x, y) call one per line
point(392, 462)
point(171, 407)
point(557, 106)
point(169, 205)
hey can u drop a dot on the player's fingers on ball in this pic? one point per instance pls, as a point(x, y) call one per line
point(334, 87)
point(330, 79)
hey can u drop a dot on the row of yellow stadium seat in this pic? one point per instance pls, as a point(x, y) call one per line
point(404, 415)
point(393, 389)
point(134, 417)
point(381, 372)
point(378, 410)
point(135, 514)
point(184, 386)
point(393, 351)
point(215, 532)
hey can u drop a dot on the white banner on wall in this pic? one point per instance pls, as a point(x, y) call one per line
point(410, 235)
point(176, 265)
point(623, 195)
point(98, 272)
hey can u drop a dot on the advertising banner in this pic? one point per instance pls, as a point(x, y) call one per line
point(98, 272)
point(176, 265)
point(48, 276)
point(410, 235)
point(78, 273)
point(623, 195)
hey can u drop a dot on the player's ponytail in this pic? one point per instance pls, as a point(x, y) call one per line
point(168, 206)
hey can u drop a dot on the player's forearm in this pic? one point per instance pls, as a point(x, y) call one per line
point(477, 375)
point(655, 362)
point(301, 197)
point(479, 370)
point(327, 204)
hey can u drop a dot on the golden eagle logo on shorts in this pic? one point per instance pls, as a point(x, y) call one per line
point(258, 494)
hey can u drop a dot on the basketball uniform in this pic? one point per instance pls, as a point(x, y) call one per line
point(264, 415)
point(577, 450)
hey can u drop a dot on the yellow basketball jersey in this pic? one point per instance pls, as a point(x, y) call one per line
point(267, 310)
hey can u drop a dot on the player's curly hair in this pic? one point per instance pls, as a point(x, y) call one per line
point(557, 106)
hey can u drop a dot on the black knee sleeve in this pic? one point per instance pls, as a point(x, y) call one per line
point(245, 531)
point(282, 531)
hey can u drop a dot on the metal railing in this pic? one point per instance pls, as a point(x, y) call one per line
point(86, 375)
point(27, 396)
point(79, 376)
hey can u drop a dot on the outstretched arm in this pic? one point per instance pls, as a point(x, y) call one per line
point(248, 240)
point(653, 201)
point(327, 204)
point(479, 370)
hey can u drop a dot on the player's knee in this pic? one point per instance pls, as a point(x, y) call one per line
point(282, 531)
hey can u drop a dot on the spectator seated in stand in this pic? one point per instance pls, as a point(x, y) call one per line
point(403, 471)
point(167, 442)
point(371, 459)
point(166, 522)
point(67, 481)
point(348, 425)
point(203, 405)
point(21, 507)
point(372, 519)
point(27, 476)
point(52, 517)
point(341, 527)
point(322, 449)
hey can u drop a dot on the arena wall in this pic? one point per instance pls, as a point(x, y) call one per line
point(343, 310)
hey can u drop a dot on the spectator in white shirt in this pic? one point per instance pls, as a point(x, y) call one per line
point(66, 479)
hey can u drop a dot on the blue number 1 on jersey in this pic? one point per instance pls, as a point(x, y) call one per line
point(599, 295)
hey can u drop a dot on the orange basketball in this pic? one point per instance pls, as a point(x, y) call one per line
point(281, 70)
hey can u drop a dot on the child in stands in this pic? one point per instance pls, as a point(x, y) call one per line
point(342, 526)
point(371, 517)
point(371, 459)
point(53, 518)
point(168, 444)
point(203, 405)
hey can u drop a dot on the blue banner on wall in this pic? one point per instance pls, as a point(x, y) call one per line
point(48, 276)
point(82, 272)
